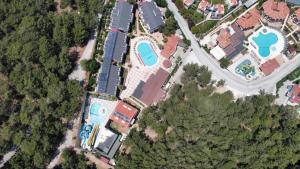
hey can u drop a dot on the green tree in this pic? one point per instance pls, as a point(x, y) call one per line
point(80, 32)
point(161, 3)
point(224, 63)
point(91, 65)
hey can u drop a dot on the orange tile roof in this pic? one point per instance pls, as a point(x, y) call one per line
point(269, 66)
point(249, 20)
point(295, 94)
point(170, 46)
point(276, 10)
point(203, 5)
point(224, 38)
point(188, 2)
point(233, 2)
point(123, 114)
point(297, 13)
point(220, 8)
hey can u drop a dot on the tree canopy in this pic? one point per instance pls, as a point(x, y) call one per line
point(200, 128)
point(35, 60)
point(71, 160)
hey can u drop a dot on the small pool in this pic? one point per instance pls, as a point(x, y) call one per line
point(146, 53)
point(264, 41)
point(98, 113)
point(245, 69)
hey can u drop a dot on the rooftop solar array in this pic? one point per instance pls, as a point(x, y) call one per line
point(114, 49)
point(121, 16)
point(151, 15)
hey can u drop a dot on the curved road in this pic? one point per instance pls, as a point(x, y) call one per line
point(267, 83)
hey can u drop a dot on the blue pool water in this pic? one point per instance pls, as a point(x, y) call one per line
point(264, 42)
point(96, 116)
point(147, 54)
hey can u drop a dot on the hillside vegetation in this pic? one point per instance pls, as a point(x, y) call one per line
point(199, 128)
point(35, 95)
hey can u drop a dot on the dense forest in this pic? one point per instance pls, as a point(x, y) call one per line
point(71, 160)
point(36, 98)
point(198, 127)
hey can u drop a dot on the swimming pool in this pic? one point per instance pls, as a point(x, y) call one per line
point(98, 113)
point(147, 54)
point(264, 41)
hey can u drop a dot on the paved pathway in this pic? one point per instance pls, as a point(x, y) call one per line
point(68, 142)
point(78, 73)
point(267, 83)
point(7, 157)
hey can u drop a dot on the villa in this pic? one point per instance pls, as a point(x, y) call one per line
point(296, 17)
point(249, 20)
point(121, 16)
point(269, 66)
point(275, 11)
point(150, 91)
point(188, 3)
point(204, 7)
point(151, 16)
point(114, 49)
point(170, 47)
point(230, 40)
point(232, 3)
point(124, 114)
point(216, 10)
point(294, 93)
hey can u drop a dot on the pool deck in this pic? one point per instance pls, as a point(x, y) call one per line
point(279, 45)
point(139, 71)
point(109, 105)
point(248, 56)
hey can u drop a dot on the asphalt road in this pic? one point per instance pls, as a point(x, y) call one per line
point(267, 83)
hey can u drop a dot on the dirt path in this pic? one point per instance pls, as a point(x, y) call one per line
point(68, 142)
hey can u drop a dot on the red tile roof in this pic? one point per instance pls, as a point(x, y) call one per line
point(295, 94)
point(152, 90)
point(188, 2)
point(220, 9)
point(276, 10)
point(203, 5)
point(269, 66)
point(297, 13)
point(224, 38)
point(123, 114)
point(170, 46)
point(167, 63)
point(249, 20)
point(233, 2)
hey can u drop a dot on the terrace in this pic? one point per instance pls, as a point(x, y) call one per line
point(275, 11)
point(138, 70)
point(170, 46)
